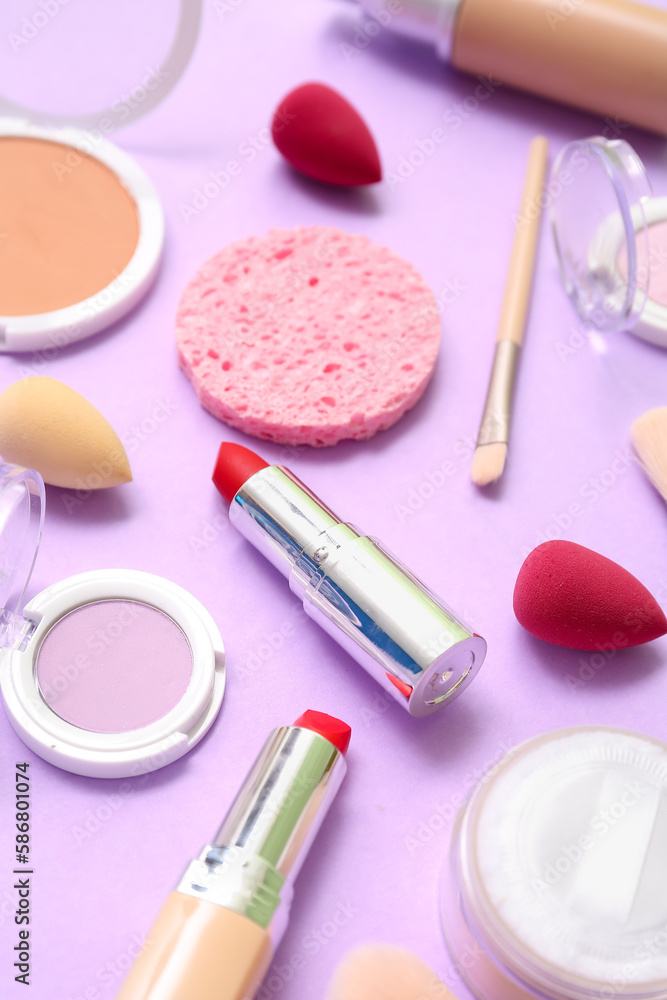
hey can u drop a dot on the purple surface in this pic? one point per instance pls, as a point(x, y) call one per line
point(106, 853)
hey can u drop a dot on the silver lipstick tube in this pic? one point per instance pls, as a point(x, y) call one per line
point(404, 636)
point(251, 866)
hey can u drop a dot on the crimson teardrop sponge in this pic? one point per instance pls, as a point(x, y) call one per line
point(572, 596)
point(322, 135)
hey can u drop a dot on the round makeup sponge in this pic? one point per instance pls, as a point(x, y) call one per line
point(572, 596)
point(47, 426)
point(308, 336)
point(320, 133)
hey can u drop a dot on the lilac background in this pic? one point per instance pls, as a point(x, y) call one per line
point(380, 854)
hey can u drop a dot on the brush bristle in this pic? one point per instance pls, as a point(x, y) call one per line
point(383, 972)
point(649, 436)
point(488, 463)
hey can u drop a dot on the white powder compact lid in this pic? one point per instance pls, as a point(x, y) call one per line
point(561, 864)
point(610, 235)
point(108, 673)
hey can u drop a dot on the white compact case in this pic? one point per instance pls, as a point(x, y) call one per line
point(556, 883)
point(85, 134)
point(82, 319)
point(126, 681)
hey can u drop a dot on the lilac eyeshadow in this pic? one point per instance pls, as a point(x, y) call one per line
point(114, 666)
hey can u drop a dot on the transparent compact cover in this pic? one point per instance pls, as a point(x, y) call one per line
point(138, 98)
point(599, 192)
point(22, 500)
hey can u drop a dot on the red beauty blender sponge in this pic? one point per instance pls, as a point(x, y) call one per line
point(321, 134)
point(571, 596)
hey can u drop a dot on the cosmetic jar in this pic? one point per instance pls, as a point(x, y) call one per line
point(83, 225)
point(109, 673)
point(556, 881)
point(610, 234)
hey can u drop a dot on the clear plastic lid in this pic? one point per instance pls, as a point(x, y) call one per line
point(22, 500)
point(599, 190)
point(32, 38)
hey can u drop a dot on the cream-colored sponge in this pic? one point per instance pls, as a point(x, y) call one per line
point(47, 426)
point(384, 972)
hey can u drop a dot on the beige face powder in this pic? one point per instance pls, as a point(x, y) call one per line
point(68, 226)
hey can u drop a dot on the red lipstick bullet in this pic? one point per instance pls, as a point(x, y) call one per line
point(421, 653)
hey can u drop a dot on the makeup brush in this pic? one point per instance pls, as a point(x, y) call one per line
point(649, 436)
point(491, 452)
point(383, 972)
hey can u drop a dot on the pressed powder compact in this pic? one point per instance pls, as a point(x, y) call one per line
point(108, 673)
point(610, 234)
point(82, 224)
point(556, 883)
point(84, 236)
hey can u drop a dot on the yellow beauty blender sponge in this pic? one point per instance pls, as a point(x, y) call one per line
point(47, 426)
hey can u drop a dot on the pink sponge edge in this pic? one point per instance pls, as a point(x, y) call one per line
point(308, 336)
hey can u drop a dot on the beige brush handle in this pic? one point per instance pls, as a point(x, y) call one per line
point(519, 281)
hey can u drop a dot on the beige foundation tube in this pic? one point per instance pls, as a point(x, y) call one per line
point(199, 949)
point(215, 936)
point(604, 56)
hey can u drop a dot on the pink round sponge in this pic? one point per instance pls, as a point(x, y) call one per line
point(308, 336)
point(572, 596)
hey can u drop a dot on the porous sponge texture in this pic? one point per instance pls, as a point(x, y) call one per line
point(572, 596)
point(307, 336)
